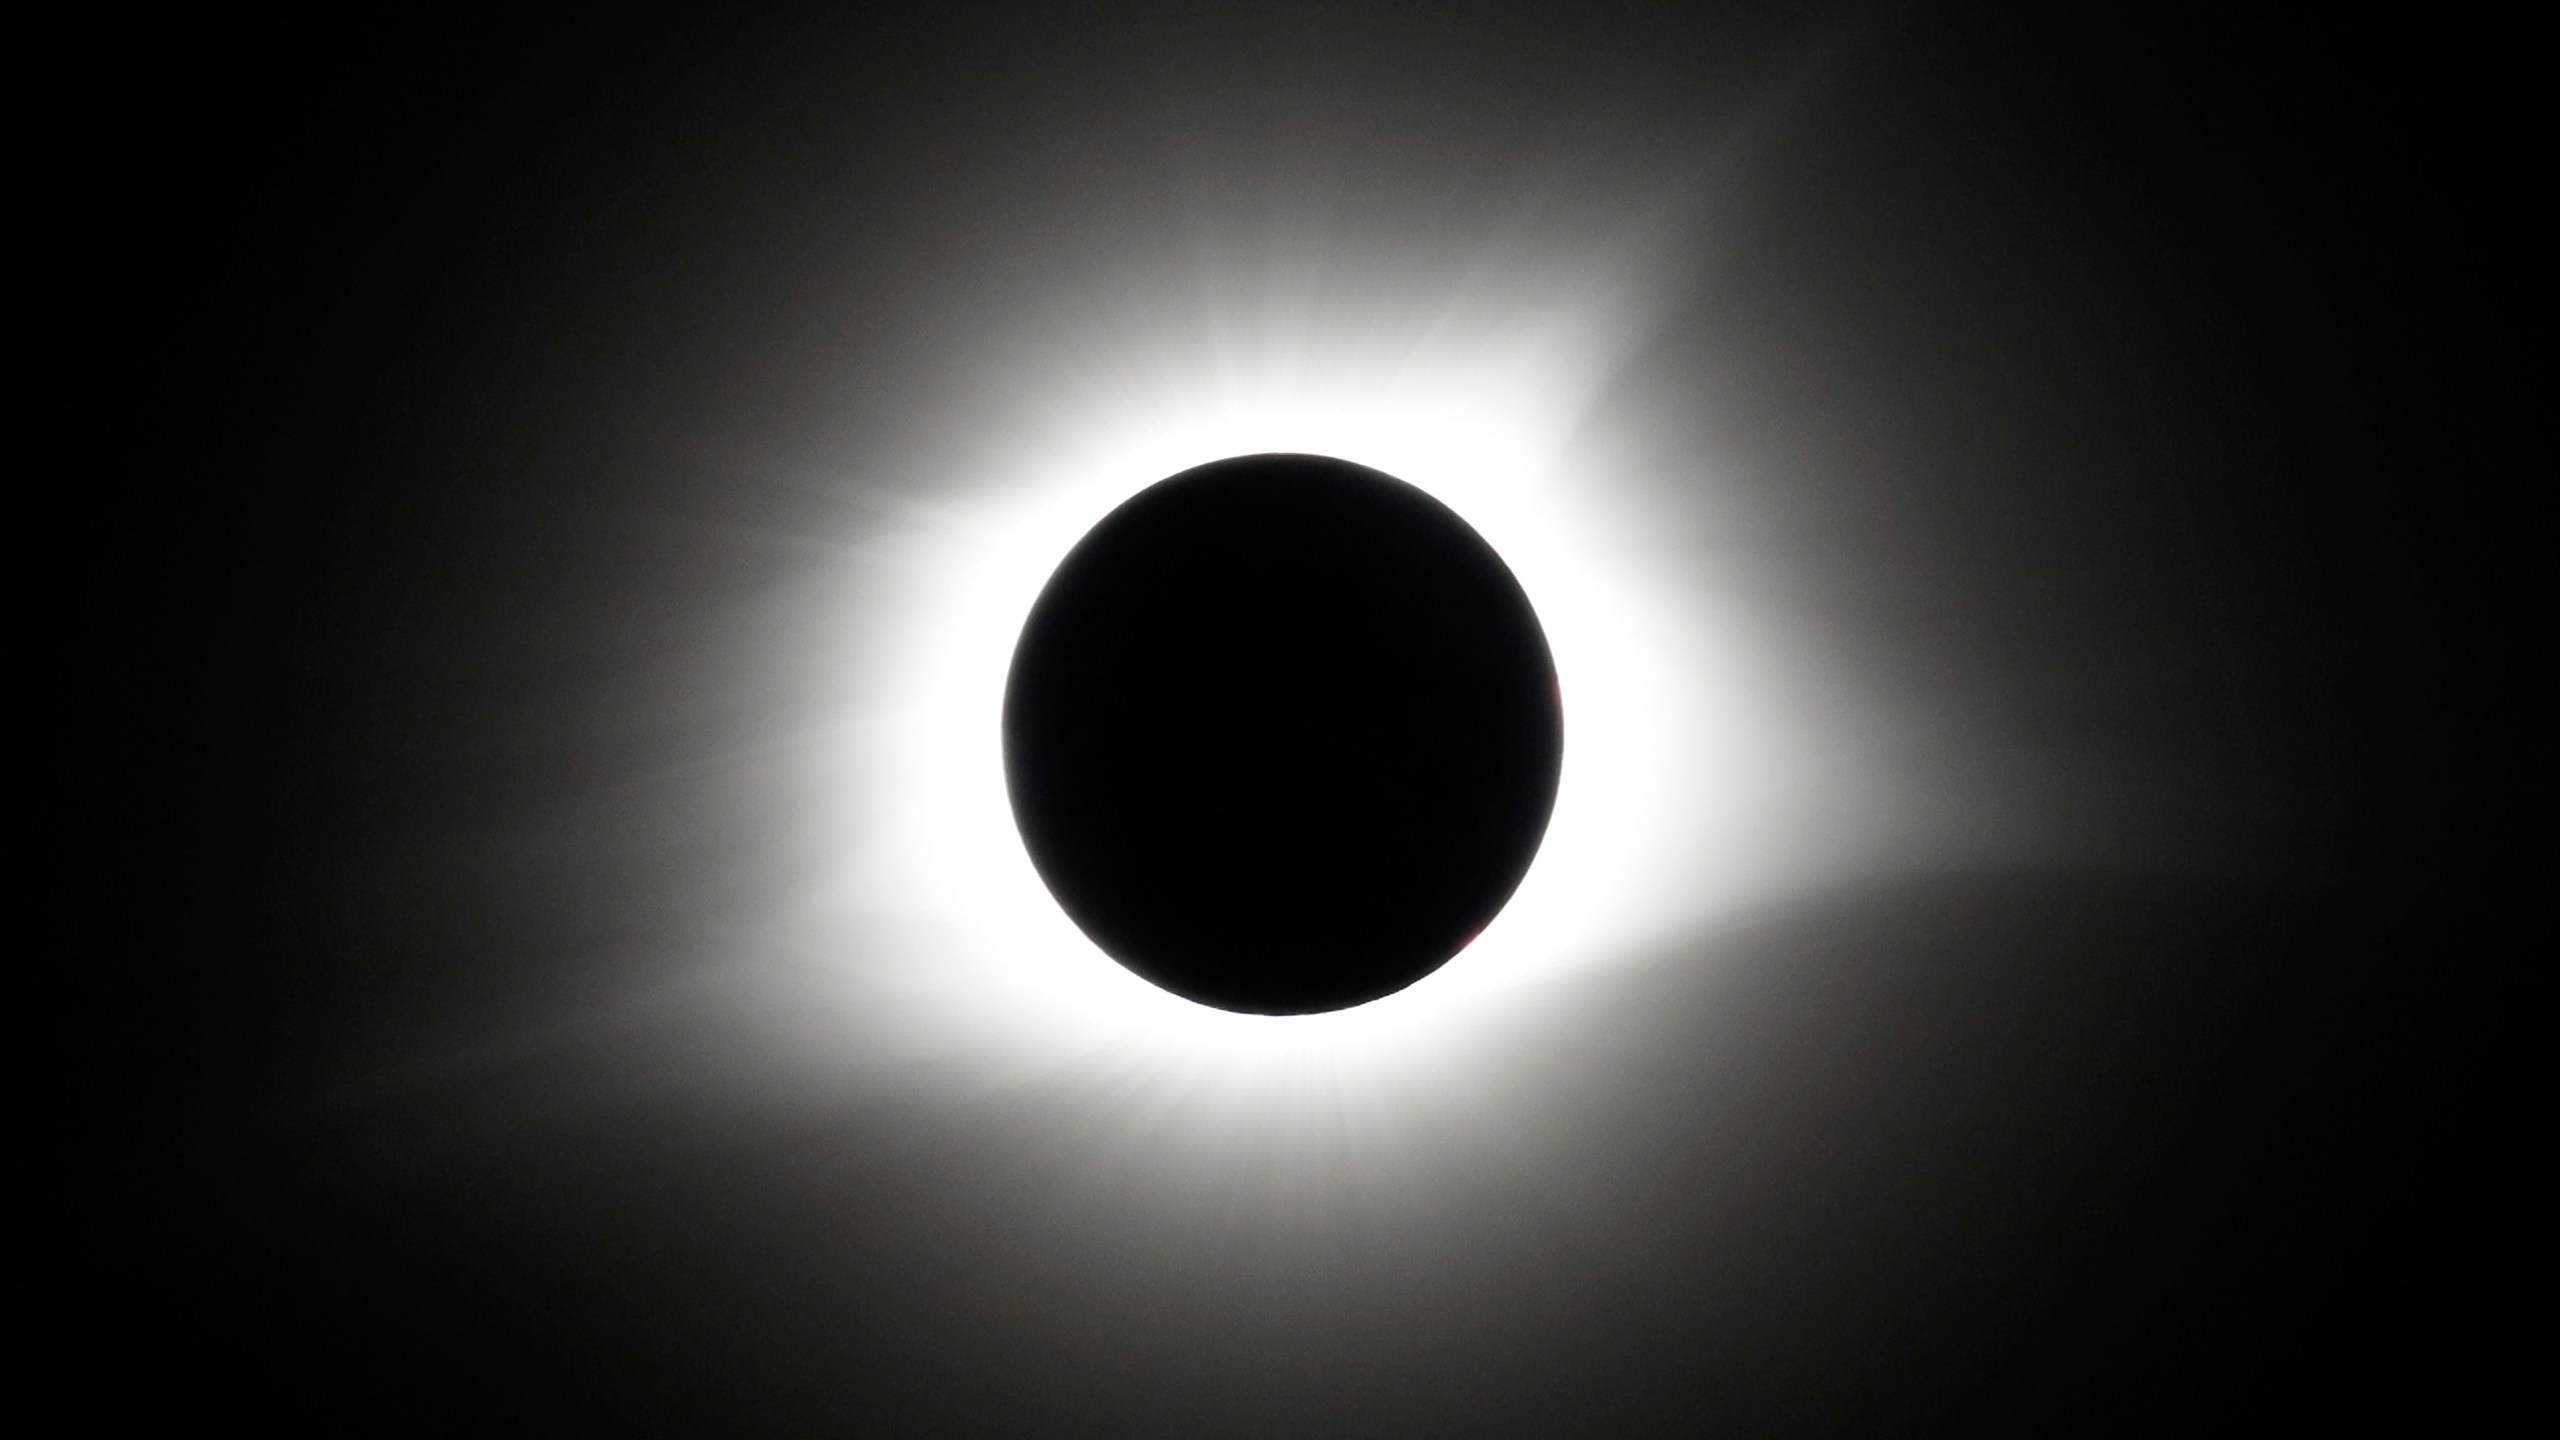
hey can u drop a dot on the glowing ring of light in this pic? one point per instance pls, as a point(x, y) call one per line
point(1666, 760)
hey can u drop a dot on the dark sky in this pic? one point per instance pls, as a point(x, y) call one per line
point(2087, 392)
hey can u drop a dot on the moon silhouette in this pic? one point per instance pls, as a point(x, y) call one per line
point(1282, 734)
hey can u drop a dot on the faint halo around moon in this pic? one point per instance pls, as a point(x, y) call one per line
point(1282, 734)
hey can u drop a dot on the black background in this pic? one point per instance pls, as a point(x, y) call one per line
point(2123, 373)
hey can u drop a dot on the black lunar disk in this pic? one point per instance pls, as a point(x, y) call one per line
point(1282, 734)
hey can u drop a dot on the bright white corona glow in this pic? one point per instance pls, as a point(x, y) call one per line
point(1674, 761)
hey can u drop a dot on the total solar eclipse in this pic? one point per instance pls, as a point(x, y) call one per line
point(1282, 734)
